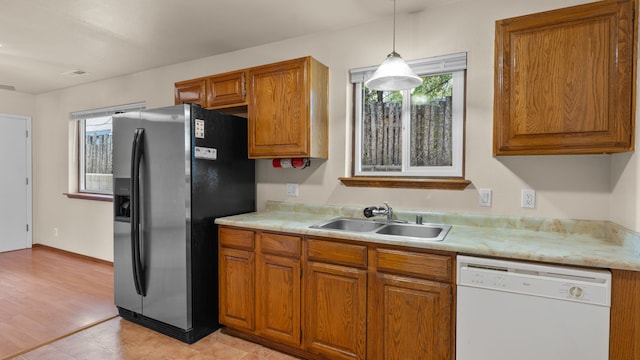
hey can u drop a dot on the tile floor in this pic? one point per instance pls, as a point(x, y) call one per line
point(120, 339)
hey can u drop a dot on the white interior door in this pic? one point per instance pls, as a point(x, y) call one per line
point(15, 182)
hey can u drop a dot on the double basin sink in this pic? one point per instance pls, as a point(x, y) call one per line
point(424, 232)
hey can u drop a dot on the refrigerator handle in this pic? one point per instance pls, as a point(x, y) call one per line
point(136, 157)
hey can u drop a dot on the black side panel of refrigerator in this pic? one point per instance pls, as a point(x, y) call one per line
point(220, 187)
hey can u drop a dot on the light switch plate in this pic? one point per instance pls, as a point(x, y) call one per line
point(485, 197)
point(292, 189)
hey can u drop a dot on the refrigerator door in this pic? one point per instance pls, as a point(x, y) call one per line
point(165, 206)
point(125, 294)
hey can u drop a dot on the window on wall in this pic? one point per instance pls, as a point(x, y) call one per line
point(411, 134)
point(95, 171)
point(94, 138)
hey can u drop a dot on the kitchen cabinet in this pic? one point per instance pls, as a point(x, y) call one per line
point(236, 268)
point(336, 299)
point(624, 339)
point(288, 111)
point(259, 286)
point(286, 104)
point(323, 298)
point(191, 91)
point(278, 287)
point(564, 81)
point(224, 92)
point(411, 309)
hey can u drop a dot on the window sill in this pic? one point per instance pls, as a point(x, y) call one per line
point(406, 183)
point(88, 196)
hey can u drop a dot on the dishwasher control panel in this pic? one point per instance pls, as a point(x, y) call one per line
point(552, 281)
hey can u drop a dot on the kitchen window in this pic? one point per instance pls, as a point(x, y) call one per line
point(411, 138)
point(94, 153)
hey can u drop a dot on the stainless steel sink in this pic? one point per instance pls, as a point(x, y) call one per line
point(349, 224)
point(426, 232)
point(431, 232)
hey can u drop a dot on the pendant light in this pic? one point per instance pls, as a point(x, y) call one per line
point(393, 74)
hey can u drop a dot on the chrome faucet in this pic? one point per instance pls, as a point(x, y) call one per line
point(387, 210)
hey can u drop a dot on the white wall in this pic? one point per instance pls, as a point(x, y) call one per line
point(585, 187)
point(15, 103)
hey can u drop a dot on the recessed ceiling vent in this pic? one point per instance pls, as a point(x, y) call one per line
point(7, 87)
point(74, 73)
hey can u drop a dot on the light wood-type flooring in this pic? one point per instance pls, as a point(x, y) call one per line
point(58, 306)
point(120, 339)
point(46, 294)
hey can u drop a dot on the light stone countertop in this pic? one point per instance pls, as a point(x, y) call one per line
point(590, 243)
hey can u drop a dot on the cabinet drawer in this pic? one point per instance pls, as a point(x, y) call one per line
point(415, 264)
point(190, 91)
point(278, 244)
point(226, 89)
point(236, 238)
point(337, 253)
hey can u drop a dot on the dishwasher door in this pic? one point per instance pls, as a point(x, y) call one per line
point(510, 310)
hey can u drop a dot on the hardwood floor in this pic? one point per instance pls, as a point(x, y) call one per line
point(46, 293)
point(56, 305)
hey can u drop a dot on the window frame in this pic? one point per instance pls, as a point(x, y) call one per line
point(82, 128)
point(79, 117)
point(457, 134)
point(432, 65)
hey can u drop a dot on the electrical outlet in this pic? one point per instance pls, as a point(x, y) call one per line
point(485, 197)
point(292, 189)
point(528, 198)
point(55, 232)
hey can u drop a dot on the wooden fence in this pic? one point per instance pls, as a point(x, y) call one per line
point(98, 148)
point(430, 138)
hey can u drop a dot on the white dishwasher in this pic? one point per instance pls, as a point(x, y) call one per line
point(510, 310)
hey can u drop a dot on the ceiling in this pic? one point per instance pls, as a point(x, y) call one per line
point(47, 43)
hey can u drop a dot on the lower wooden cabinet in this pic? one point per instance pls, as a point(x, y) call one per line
point(410, 319)
point(278, 288)
point(336, 309)
point(236, 269)
point(321, 298)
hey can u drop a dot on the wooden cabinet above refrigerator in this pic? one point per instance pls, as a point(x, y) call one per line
point(286, 104)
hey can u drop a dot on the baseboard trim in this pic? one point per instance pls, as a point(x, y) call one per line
point(81, 256)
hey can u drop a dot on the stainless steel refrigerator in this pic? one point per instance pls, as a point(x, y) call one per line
point(175, 170)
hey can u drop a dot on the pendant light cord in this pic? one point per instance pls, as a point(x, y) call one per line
point(394, 26)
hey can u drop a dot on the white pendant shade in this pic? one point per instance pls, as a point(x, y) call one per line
point(392, 75)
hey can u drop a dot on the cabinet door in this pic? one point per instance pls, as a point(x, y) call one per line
point(335, 307)
point(278, 299)
point(226, 89)
point(564, 81)
point(190, 91)
point(279, 110)
point(410, 319)
point(237, 296)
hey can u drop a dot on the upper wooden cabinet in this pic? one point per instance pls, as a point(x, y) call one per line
point(286, 103)
point(565, 81)
point(288, 112)
point(190, 91)
point(220, 91)
point(226, 89)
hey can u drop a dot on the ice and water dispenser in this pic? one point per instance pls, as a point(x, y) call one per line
point(122, 200)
